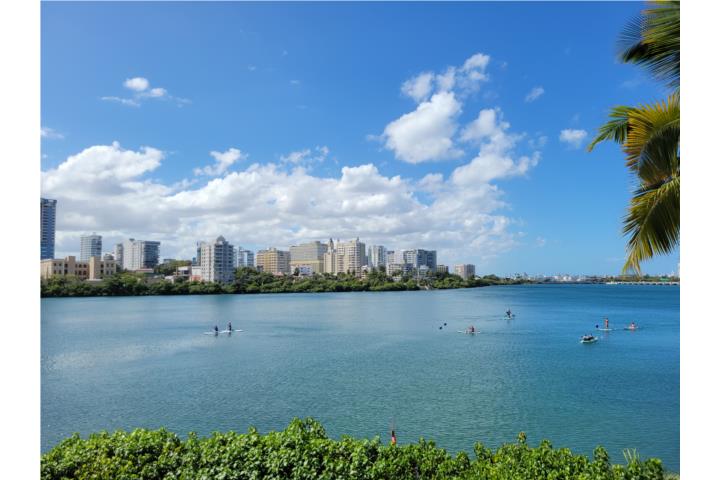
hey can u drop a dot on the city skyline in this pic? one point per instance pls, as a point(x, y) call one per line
point(461, 144)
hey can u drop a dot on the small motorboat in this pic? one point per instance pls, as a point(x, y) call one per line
point(588, 339)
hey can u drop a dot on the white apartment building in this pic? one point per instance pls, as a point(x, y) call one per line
point(217, 261)
point(139, 254)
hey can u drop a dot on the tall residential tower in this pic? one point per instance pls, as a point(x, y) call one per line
point(90, 246)
point(47, 228)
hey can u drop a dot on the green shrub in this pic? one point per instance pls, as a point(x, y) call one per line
point(303, 451)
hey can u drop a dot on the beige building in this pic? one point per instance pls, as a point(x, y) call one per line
point(442, 269)
point(308, 257)
point(466, 270)
point(345, 257)
point(273, 261)
point(93, 269)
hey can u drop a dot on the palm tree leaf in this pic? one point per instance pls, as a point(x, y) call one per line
point(653, 41)
point(653, 222)
point(616, 129)
point(653, 138)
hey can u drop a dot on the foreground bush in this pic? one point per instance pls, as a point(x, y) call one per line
point(303, 451)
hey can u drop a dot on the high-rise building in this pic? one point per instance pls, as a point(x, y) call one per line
point(418, 257)
point(90, 246)
point(308, 257)
point(245, 258)
point(273, 261)
point(377, 256)
point(217, 261)
point(118, 254)
point(345, 257)
point(48, 209)
point(465, 270)
point(140, 254)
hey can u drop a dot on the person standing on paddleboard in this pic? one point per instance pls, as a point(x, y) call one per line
point(229, 326)
point(607, 323)
point(393, 439)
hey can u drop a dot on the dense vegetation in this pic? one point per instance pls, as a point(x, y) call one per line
point(249, 280)
point(303, 451)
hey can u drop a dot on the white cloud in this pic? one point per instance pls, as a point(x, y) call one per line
point(426, 134)
point(140, 87)
point(223, 161)
point(495, 158)
point(50, 134)
point(124, 101)
point(534, 94)
point(418, 88)
point(306, 158)
point(108, 189)
point(573, 137)
point(137, 84)
point(477, 62)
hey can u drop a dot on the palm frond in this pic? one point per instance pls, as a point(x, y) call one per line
point(653, 139)
point(616, 129)
point(653, 41)
point(653, 222)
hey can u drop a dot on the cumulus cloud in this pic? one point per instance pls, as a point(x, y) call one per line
point(496, 157)
point(418, 88)
point(427, 133)
point(223, 161)
point(137, 84)
point(109, 189)
point(140, 88)
point(573, 137)
point(534, 94)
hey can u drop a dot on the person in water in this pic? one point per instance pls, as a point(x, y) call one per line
point(393, 439)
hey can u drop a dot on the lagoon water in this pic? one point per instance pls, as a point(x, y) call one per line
point(361, 362)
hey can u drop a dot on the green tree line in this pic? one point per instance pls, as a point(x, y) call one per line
point(249, 280)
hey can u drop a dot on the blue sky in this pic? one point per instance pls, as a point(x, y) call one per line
point(429, 125)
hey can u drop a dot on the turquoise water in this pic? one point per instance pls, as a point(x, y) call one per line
point(359, 362)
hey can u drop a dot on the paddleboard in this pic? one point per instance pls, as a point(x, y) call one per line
point(210, 333)
point(469, 333)
point(230, 331)
point(605, 329)
point(631, 329)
